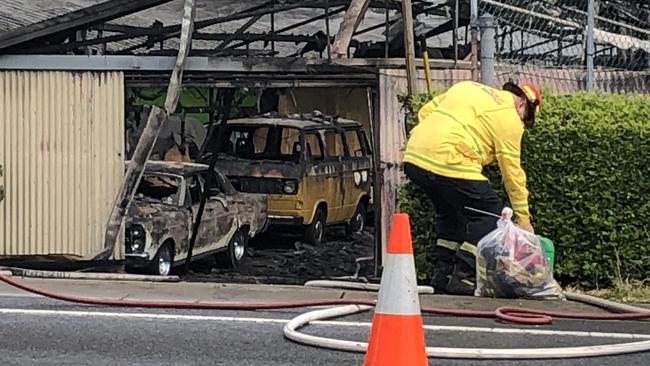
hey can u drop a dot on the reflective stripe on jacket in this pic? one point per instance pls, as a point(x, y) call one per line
point(466, 128)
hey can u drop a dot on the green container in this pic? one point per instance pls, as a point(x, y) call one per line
point(549, 250)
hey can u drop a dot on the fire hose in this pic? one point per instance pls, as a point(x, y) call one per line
point(510, 314)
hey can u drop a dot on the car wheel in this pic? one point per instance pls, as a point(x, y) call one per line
point(315, 232)
point(162, 263)
point(358, 221)
point(235, 255)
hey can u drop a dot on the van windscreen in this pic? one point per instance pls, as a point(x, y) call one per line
point(262, 143)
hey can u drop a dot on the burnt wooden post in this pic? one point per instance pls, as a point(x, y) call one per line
point(157, 118)
point(409, 46)
point(351, 21)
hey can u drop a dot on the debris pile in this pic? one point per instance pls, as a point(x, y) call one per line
point(286, 260)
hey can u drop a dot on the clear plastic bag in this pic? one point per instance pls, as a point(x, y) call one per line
point(511, 263)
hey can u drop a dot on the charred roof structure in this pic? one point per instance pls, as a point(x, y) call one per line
point(298, 28)
point(223, 28)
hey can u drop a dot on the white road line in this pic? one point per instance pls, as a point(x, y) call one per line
point(8, 294)
point(102, 314)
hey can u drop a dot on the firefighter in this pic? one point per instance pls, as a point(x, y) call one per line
point(459, 132)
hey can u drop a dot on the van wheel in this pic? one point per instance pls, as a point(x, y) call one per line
point(358, 221)
point(162, 263)
point(235, 255)
point(315, 232)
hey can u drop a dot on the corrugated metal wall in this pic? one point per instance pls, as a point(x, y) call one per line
point(62, 147)
point(392, 83)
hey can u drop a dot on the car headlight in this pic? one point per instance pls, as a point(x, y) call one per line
point(289, 187)
point(136, 232)
point(136, 239)
point(137, 245)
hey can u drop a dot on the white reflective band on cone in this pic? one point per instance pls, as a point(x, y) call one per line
point(398, 276)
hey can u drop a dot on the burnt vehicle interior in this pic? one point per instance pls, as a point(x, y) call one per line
point(262, 143)
point(199, 132)
point(159, 188)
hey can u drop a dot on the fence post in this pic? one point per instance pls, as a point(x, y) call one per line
point(473, 22)
point(590, 45)
point(487, 26)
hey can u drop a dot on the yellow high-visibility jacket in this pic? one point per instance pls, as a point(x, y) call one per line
point(468, 127)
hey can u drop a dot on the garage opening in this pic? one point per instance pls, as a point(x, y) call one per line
point(308, 150)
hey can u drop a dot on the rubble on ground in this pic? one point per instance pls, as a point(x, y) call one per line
point(284, 259)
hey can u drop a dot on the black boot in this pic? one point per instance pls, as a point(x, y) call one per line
point(442, 270)
point(463, 280)
point(443, 265)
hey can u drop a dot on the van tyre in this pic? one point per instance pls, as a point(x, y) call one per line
point(162, 262)
point(235, 254)
point(315, 232)
point(358, 221)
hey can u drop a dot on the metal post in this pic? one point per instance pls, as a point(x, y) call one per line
point(488, 46)
point(474, 34)
point(327, 29)
point(590, 45)
point(455, 32)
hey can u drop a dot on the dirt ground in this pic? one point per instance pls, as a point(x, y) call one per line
point(284, 259)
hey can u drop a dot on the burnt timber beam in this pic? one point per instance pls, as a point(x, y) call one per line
point(396, 19)
point(351, 21)
point(251, 37)
point(172, 31)
point(203, 64)
point(85, 43)
point(238, 32)
point(290, 27)
point(82, 18)
point(133, 32)
point(228, 52)
point(118, 28)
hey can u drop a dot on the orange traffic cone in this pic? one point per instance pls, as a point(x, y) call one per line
point(397, 336)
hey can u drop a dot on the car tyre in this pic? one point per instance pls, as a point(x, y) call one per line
point(162, 262)
point(358, 221)
point(235, 254)
point(315, 232)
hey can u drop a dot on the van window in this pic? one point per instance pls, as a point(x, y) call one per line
point(365, 143)
point(334, 141)
point(314, 147)
point(260, 137)
point(354, 144)
point(290, 143)
point(262, 143)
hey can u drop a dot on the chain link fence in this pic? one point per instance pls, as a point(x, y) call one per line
point(570, 45)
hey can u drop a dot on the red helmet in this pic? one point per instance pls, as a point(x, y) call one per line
point(533, 98)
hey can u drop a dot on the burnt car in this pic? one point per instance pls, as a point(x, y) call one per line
point(160, 220)
point(315, 170)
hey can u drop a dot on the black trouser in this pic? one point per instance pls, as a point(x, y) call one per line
point(456, 227)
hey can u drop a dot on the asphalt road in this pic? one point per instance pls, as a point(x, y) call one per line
point(37, 331)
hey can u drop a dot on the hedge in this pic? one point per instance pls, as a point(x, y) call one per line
point(588, 166)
